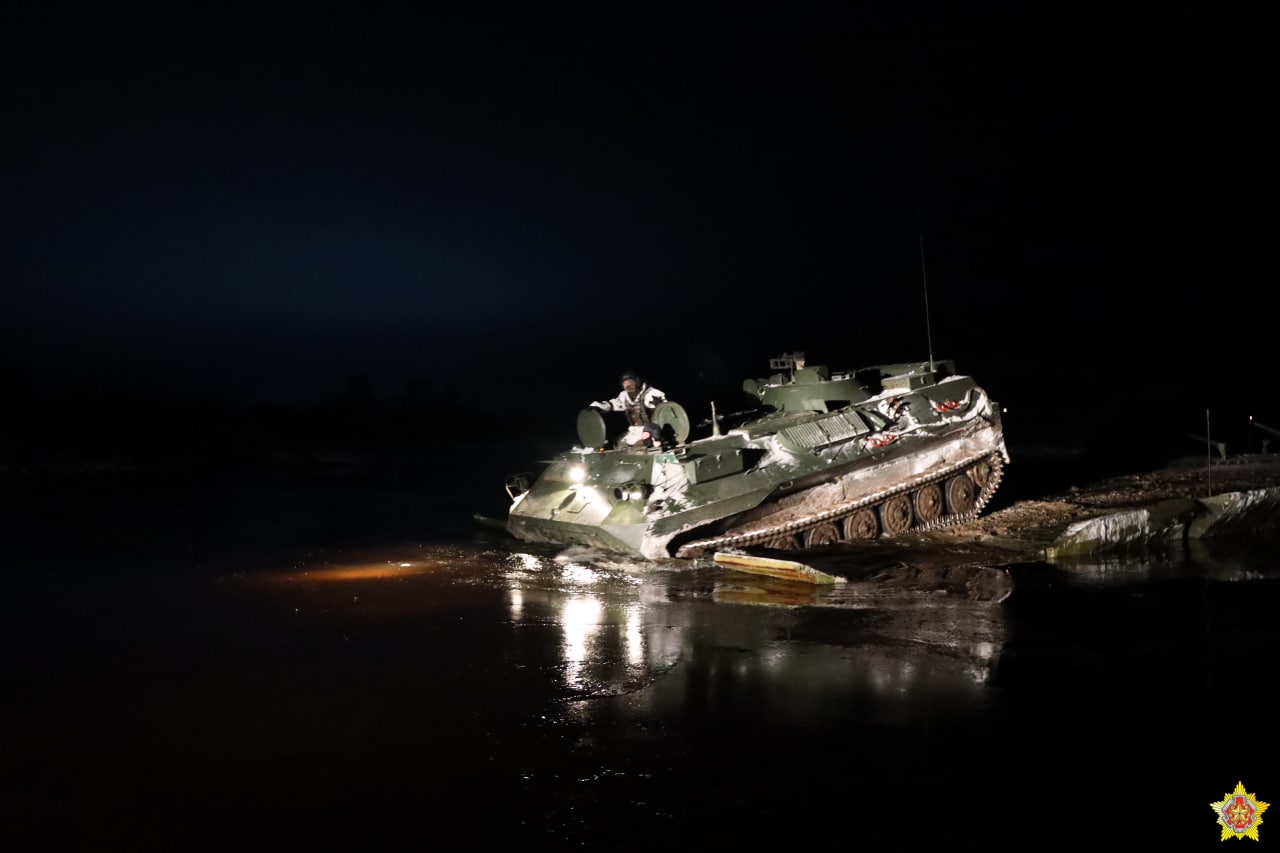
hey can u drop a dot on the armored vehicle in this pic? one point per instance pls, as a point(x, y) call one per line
point(816, 457)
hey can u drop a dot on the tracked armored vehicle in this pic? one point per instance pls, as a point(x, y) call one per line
point(818, 457)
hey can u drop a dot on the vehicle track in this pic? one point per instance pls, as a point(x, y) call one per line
point(953, 495)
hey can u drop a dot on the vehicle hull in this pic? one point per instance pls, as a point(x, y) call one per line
point(788, 476)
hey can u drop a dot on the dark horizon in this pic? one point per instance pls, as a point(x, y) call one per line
point(509, 210)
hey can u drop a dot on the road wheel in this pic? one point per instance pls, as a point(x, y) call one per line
point(896, 514)
point(982, 472)
point(962, 494)
point(823, 534)
point(788, 542)
point(928, 502)
point(863, 524)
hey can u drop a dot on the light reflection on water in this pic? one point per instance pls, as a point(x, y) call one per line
point(605, 648)
point(685, 635)
point(315, 679)
point(355, 571)
point(626, 654)
point(1196, 560)
point(585, 693)
point(692, 635)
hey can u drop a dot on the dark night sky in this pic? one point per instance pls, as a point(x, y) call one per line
point(261, 204)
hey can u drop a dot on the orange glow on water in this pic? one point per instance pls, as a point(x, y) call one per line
point(378, 565)
point(355, 571)
point(365, 571)
point(375, 565)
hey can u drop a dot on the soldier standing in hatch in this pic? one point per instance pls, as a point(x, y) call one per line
point(638, 400)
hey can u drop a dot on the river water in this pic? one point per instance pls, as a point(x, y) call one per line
point(269, 664)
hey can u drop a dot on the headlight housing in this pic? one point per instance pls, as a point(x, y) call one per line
point(638, 492)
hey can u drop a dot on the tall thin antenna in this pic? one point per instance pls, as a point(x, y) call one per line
point(1208, 455)
point(925, 279)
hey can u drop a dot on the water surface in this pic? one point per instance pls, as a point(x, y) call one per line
point(266, 664)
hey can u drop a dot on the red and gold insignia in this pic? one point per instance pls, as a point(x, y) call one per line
point(880, 440)
point(1239, 814)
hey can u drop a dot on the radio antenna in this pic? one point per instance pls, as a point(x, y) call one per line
point(1208, 467)
point(925, 280)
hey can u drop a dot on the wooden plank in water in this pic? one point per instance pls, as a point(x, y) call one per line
point(785, 569)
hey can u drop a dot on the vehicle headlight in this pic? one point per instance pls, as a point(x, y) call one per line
point(632, 492)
